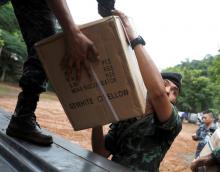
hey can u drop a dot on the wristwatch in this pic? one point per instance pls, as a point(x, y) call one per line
point(137, 41)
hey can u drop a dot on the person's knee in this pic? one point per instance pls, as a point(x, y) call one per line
point(33, 79)
point(31, 85)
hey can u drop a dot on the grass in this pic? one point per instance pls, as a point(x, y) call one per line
point(3, 90)
point(7, 89)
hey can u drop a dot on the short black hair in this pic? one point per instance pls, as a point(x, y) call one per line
point(210, 112)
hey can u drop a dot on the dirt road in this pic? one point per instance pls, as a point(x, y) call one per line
point(50, 115)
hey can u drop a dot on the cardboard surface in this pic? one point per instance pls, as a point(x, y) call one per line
point(214, 141)
point(117, 71)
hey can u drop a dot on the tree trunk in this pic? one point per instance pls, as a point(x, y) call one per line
point(0, 51)
point(3, 74)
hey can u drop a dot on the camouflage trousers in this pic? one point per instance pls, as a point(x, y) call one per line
point(36, 22)
point(199, 148)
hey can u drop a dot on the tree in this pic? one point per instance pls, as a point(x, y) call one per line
point(12, 46)
point(201, 84)
point(214, 71)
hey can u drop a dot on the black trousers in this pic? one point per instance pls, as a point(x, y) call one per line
point(36, 22)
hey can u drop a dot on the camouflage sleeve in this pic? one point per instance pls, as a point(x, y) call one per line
point(216, 155)
point(199, 133)
point(173, 122)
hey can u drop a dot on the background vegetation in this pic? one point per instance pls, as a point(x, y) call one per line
point(200, 84)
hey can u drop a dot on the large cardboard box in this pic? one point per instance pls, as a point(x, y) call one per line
point(117, 71)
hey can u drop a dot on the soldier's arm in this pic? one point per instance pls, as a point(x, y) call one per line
point(62, 12)
point(150, 74)
point(98, 142)
point(196, 135)
point(79, 49)
point(199, 133)
point(208, 160)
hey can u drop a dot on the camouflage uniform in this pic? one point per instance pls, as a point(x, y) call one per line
point(203, 134)
point(142, 144)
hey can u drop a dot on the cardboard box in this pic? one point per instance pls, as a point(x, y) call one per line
point(117, 71)
point(214, 143)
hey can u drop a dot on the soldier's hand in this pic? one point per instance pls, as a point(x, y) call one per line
point(194, 137)
point(202, 161)
point(80, 51)
point(127, 25)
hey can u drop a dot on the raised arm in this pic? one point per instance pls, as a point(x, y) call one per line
point(151, 75)
point(98, 142)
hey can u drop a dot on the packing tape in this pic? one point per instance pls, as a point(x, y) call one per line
point(106, 99)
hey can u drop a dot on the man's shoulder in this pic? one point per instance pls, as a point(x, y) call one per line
point(173, 123)
point(214, 126)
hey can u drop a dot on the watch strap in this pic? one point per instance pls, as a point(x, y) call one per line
point(137, 41)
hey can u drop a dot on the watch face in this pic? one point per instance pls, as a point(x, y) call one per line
point(142, 40)
point(136, 41)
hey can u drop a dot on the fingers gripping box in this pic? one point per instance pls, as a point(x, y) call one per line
point(117, 72)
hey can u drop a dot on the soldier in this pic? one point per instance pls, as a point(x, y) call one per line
point(210, 160)
point(141, 143)
point(36, 22)
point(206, 129)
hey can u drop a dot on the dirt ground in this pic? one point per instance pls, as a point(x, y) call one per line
point(51, 116)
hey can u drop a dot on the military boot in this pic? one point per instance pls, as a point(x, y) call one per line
point(23, 122)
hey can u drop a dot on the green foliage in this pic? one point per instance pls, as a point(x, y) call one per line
point(1, 39)
point(10, 36)
point(13, 49)
point(200, 85)
point(7, 18)
point(14, 44)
